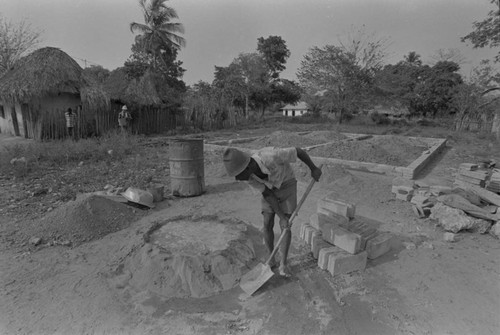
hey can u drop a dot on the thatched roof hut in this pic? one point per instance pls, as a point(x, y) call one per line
point(135, 92)
point(43, 84)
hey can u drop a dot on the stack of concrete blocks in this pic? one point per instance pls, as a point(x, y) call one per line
point(493, 184)
point(470, 174)
point(340, 241)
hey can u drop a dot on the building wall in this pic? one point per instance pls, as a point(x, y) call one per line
point(6, 123)
point(294, 112)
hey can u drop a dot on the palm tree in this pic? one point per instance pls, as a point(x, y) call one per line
point(157, 34)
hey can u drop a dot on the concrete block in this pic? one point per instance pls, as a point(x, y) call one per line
point(308, 233)
point(318, 246)
point(315, 239)
point(379, 245)
point(361, 228)
point(324, 255)
point(339, 207)
point(327, 216)
point(314, 221)
point(341, 262)
point(303, 229)
point(468, 166)
point(346, 240)
point(438, 190)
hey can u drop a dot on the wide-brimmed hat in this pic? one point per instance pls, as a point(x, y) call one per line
point(235, 161)
point(139, 196)
point(124, 108)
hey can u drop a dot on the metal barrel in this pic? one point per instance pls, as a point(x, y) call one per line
point(187, 170)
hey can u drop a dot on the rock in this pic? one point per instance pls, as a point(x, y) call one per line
point(410, 245)
point(452, 219)
point(495, 230)
point(480, 226)
point(80, 164)
point(108, 187)
point(449, 237)
point(35, 241)
point(427, 245)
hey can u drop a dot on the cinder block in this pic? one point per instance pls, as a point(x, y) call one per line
point(336, 206)
point(303, 229)
point(324, 255)
point(308, 233)
point(363, 229)
point(314, 221)
point(315, 239)
point(379, 245)
point(320, 245)
point(438, 190)
point(344, 239)
point(327, 216)
point(403, 192)
point(341, 262)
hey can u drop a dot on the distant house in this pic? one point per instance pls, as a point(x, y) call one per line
point(37, 91)
point(297, 109)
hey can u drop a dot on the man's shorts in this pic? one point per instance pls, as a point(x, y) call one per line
point(287, 197)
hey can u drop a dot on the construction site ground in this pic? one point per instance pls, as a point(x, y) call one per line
point(71, 283)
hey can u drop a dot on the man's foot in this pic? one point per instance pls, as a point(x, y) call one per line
point(273, 263)
point(284, 271)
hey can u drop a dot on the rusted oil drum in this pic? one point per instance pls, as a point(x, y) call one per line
point(187, 170)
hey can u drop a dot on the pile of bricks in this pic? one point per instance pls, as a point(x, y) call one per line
point(469, 174)
point(341, 241)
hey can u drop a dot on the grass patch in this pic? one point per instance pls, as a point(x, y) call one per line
point(21, 159)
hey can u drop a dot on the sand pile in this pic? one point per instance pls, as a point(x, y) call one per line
point(88, 218)
point(191, 258)
point(390, 150)
point(282, 139)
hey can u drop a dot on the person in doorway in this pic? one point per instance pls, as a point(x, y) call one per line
point(124, 118)
point(70, 122)
point(269, 171)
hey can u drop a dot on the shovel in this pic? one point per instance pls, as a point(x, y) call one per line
point(260, 274)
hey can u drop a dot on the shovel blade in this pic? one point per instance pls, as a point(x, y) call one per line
point(255, 278)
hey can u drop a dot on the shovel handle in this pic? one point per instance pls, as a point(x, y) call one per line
point(294, 214)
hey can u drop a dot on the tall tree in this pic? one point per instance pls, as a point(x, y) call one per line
point(275, 53)
point(16, 40)
point(158, 34)
point(486, 33)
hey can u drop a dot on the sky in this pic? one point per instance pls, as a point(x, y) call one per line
point(96, 32)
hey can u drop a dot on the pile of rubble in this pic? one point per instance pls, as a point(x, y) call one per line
point(469, 205)
point(341, 241)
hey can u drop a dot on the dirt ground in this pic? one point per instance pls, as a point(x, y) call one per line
point(80, 287)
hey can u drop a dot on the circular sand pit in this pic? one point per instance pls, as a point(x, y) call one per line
point(192, 258)
point(88, 218)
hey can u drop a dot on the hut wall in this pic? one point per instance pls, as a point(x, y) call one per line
point(6, 121)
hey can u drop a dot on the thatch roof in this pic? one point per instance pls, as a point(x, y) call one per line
point(48, 72)
point(140, 91)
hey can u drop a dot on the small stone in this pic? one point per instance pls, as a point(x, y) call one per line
point(495, 230)
point(410, 245)
point(80, 164)
point(427, 245)
point(35, 241)
point(108, 186)
point(449, 237)
point(66, 243)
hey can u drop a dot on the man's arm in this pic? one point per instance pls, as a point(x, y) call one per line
point(304, 156)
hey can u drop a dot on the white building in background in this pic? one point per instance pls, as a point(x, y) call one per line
point(298, 109)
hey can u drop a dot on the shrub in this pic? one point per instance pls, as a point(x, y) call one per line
point(379, 119)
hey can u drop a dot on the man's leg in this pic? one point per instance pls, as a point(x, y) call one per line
point(284, 248)
point(269, 232)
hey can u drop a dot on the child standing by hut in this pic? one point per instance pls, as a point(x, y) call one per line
point(124, 118)
point(70, 122)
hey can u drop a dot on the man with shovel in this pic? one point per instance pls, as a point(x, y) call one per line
point(269, 171)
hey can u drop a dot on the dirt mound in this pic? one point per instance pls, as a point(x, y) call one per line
point(88, 218)
point(390, 150)
point(282, 139)
point(190, 258)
